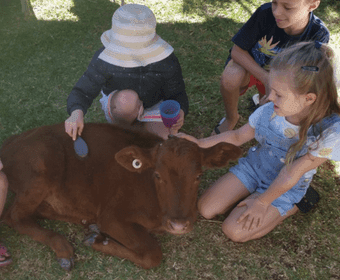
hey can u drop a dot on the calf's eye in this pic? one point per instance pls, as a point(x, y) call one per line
point(137, 163)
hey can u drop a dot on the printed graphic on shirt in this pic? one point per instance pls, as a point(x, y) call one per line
point(289, 132)
point(325, 152)
point(265, 50)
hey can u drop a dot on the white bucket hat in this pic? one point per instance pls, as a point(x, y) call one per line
point(132, 41)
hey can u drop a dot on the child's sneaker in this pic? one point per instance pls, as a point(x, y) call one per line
point(256, 99)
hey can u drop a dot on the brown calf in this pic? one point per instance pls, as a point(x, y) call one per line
point(130, 184)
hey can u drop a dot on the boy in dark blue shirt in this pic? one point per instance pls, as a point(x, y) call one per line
point(271, 28)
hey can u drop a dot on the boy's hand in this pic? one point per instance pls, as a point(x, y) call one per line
point(75, 124)
point(254, 214)
point(1, 166)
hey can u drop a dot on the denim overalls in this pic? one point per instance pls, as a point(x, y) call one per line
point(264, 162)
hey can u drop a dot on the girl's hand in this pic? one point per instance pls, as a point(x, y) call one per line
point(177, 126)
point(188, 137)
point(75, 124)
point(254, 214)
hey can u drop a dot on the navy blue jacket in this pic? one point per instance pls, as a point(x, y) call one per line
point(157, 81)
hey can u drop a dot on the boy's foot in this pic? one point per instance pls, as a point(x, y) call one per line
point(224, 125)
point(5, 257)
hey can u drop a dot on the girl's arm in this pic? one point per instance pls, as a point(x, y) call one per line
point(287, 178)
point(236, 137)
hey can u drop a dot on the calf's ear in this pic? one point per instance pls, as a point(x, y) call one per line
point(134, 158)
point(220, 154)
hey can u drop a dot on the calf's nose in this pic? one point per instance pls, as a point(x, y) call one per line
point(178, 225)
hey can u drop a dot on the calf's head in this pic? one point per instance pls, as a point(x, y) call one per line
point(177, 167)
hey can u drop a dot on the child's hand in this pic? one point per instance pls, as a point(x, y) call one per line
point(177, 126)
point(75, 124)
point(254, 213)
point(188, 137)
point(1, 166)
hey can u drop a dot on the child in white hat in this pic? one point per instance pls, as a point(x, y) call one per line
point(134, 72)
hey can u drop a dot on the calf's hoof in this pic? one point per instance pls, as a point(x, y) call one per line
point(90, 239)
point(66, 264)
point(94, 228)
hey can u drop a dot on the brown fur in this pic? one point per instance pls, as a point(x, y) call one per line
point(51, 182)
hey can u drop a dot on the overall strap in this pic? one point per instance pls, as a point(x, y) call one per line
point(323, 125)
point(266, 116)
point(264, 123)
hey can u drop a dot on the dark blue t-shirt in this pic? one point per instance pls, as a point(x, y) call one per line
point(263, 39)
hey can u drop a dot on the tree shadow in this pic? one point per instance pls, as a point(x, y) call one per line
point(193, 5)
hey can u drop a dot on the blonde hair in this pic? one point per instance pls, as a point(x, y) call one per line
point(319, 79)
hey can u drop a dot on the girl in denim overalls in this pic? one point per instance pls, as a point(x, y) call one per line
point(297, 131)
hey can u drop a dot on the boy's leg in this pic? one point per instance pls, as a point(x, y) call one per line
point(235, 231)
point(222, 196)
point(234, 80)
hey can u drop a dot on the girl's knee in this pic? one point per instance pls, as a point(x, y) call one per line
point(233, 231)
point(206, 210)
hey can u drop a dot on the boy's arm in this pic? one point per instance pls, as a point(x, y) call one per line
point(244, 59)
point(236, 137)
point(289, 176)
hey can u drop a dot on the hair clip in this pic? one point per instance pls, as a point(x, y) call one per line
point(310, 68)
point(318, 44)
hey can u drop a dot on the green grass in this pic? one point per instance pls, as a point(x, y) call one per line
point(43, 56)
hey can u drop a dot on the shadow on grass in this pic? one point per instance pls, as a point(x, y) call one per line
point(50, 56)
point(40, 63)
point(197, 5)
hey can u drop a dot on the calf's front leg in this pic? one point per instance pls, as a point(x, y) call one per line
point(129, 241)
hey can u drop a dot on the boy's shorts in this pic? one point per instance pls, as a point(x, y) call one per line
point(151, 114)
point(260, 87)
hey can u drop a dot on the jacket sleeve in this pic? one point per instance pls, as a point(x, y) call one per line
point(174, 87)
point(88, 86)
